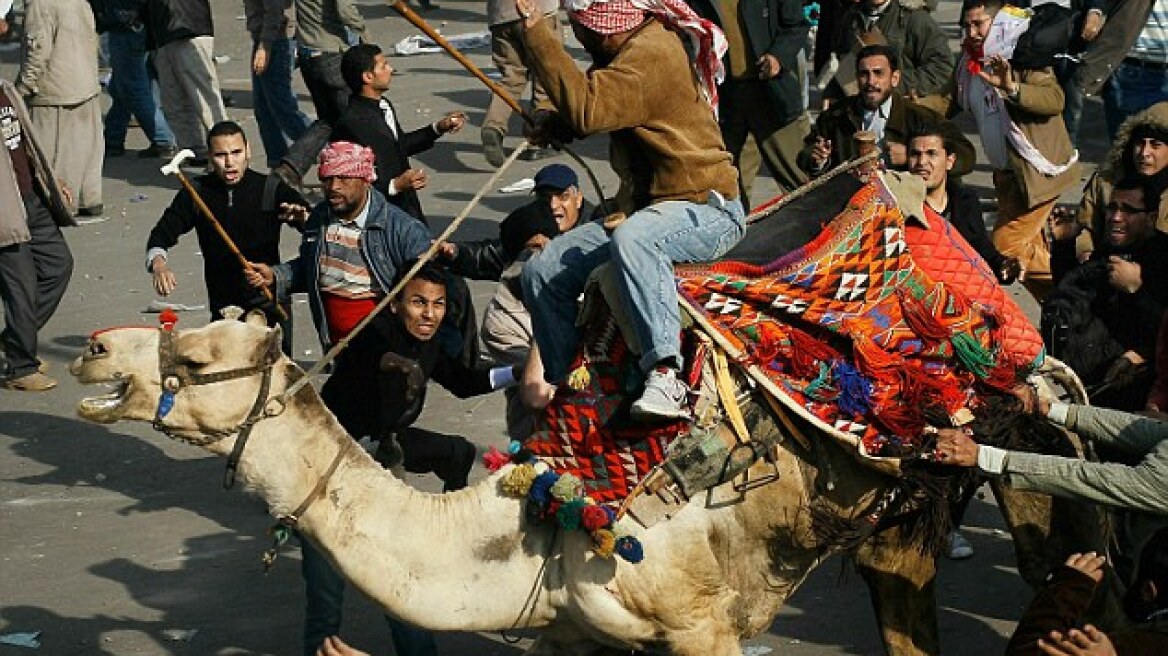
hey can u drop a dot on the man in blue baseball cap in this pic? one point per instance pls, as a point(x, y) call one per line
point(559, 185)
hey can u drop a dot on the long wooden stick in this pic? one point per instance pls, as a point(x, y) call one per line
point(417, 21)
point(226, 237)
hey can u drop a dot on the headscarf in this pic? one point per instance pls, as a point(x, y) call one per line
point(345, 159)
point(705, 41)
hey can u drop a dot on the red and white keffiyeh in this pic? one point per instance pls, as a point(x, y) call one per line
point(705, 40)
point(345, 159)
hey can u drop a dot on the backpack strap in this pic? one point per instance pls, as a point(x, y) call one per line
point(268, 199)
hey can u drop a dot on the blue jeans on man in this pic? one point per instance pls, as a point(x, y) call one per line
point(133, 93)
point(1134, 86)
point(643, 249)
point(276, 110)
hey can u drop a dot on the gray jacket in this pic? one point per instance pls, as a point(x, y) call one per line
point(13, 220)
point(59, 66)
point(1142, 487)
point(322, 24)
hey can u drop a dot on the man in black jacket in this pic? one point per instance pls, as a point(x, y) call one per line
point(931, 156)
point(251, 207)
point(762, 96)
point(370, 120)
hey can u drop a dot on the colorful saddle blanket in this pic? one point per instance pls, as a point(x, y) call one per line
point(853, 330)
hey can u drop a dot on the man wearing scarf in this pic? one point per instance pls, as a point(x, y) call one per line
point(1019, 117)
point(678, 187)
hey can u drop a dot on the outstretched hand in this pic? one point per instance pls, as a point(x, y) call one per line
point(1089, 563)
point(1088, 642)
point(334, 646)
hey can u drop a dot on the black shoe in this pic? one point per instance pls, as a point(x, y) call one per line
point(287, 175)
point(493, 146)
point(389, 453)
point(115, 151)
point(160, 151)
point(92, 210)
point(533, 154)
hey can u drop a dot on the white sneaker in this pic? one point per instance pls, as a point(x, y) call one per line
point(957, 547)
point(664, 398)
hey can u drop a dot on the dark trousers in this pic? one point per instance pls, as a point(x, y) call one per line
point(777, 145)
point(33, 278)
point(352, 393)
point(330, 97)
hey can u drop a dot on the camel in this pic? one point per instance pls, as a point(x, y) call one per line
point(714, 575)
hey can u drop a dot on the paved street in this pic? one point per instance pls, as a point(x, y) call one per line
point(116, 541)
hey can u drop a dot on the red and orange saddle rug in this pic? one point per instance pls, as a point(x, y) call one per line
point(858, 331)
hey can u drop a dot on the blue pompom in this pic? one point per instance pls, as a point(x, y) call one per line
point(629, 548)
point(514, 447)
point(541, 488)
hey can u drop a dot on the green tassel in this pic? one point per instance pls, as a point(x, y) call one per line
point(975, 358)
point(819, 382)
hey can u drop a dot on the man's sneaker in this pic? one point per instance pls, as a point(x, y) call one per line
point(34, 382)
point(493, 147)
point(664, 397)
point(957, 547)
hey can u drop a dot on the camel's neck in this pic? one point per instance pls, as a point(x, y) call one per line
point(442, 561)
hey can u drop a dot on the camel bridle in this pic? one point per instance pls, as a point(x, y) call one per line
point(174, 376)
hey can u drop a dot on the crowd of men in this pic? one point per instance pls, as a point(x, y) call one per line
point(693, 97)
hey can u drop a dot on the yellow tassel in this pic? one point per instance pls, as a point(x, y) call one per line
point(579, 379)
point(604, 542)
point(517, 482)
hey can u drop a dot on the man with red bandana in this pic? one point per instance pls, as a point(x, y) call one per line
point(679, 188)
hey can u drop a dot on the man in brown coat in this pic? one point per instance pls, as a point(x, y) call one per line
point(1019, 117)
point(678, 184)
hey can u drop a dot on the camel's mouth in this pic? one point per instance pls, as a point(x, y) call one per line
point(106, 408)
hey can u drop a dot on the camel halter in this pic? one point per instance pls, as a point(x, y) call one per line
point(175, 376)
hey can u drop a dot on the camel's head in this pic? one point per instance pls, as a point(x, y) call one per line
point(194, 381)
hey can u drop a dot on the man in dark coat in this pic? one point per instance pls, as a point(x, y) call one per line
point(926, 62)
point(762, 96)
point(881, 109)
point(370, 120)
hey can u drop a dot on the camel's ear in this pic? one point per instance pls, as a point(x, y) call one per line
point(256, 318)
point(195, 348)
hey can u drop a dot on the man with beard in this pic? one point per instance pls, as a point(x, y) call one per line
point(355, 246)
point(931, 156)
point(880, 109)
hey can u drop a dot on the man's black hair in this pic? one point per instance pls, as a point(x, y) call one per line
point(430, 272)
point(225, 129)
point(933, 129)
point(990, 6)
point(357, 61)
point(1147, 187)
point(879, 50)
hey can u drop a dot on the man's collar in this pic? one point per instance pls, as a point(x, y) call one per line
point(883, 110)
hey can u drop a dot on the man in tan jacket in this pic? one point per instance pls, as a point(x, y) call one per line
point(678, 188)
point(58, 79)
point(1019, 117)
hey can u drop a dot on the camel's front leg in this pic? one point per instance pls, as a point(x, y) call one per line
point(900, 580)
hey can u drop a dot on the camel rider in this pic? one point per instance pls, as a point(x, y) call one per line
point(678, 187)
point(251, 207)
point(355, 245)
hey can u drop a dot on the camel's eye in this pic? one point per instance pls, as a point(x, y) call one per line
point(96, 349)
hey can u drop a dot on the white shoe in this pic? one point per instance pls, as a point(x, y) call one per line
point(957, 547)
point(664, 398)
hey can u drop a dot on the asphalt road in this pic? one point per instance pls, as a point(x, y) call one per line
point(113, 540)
